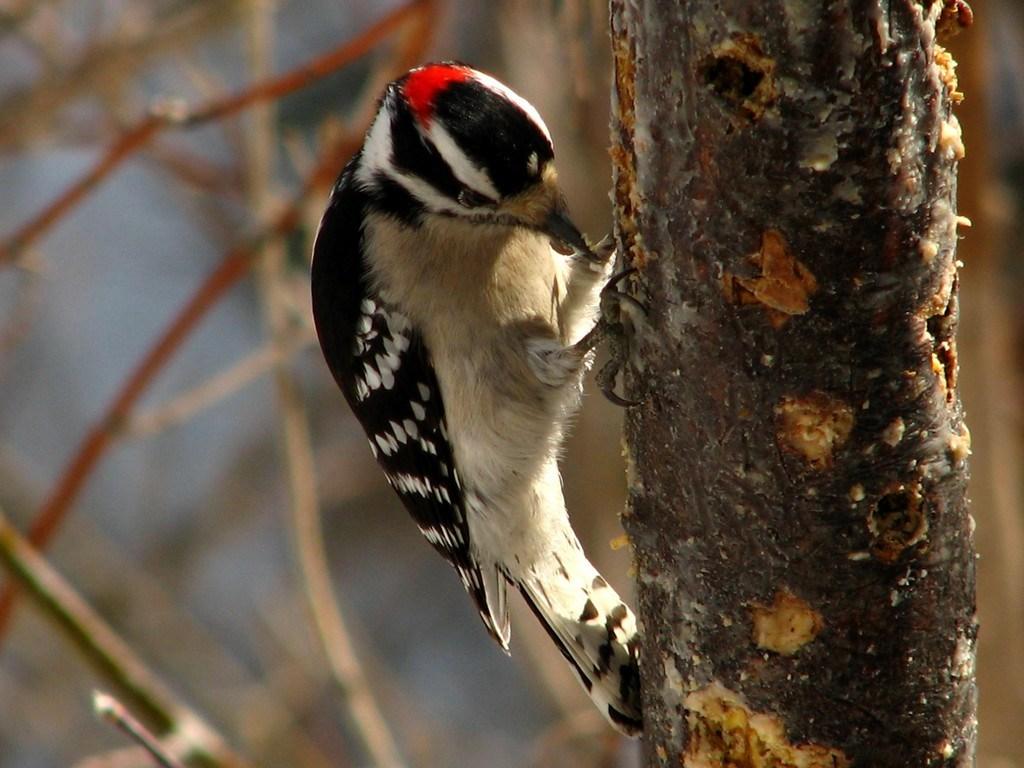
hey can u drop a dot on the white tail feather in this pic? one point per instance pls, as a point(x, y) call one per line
point(596, 632)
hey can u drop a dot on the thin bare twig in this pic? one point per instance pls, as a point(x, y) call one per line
point(335, 638)
point(368, 722)
point(112, 711)
point(206, 394)
point(194, 171)
point(107, 652)
point(18, 317)
point(171, 114)
point(269, 711)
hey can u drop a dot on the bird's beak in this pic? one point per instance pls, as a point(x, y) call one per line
point(559, 227)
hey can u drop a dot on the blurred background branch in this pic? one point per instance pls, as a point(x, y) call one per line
point(109, 654)
point(114, 712)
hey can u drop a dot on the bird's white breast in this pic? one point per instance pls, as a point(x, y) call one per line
point(477, 293)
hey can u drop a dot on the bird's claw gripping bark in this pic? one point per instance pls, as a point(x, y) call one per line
point(620, 315)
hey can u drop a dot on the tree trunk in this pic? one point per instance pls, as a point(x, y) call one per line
point(785, 183)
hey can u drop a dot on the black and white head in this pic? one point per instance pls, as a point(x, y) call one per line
point(451, 141)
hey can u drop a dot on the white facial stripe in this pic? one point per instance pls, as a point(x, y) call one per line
point(424, 192)
point(376, 147)
point(465, 170)
point(376, 159)
point(500, 88)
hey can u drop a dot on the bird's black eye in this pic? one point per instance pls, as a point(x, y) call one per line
point(469, 198)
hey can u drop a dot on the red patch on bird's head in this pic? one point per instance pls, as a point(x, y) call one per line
point(424, 84)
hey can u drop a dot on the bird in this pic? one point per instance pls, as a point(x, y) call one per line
point(457, 306)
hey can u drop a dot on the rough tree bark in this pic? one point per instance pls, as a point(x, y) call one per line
point(785, 183)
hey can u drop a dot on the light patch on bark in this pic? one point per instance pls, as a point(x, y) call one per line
point(813, 426)
point(893, 433)
point(938, 301)
point(940, 376)
point(947, 73)
point(929, 250)
point(784, 286)
point(820, 150)
point(960, 445)
point(723, 730)
point(787, 625)
point(951, 140)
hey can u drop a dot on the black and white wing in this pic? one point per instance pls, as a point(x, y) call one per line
point(384, 369)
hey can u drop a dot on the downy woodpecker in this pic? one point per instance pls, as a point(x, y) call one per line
point(456, 305)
